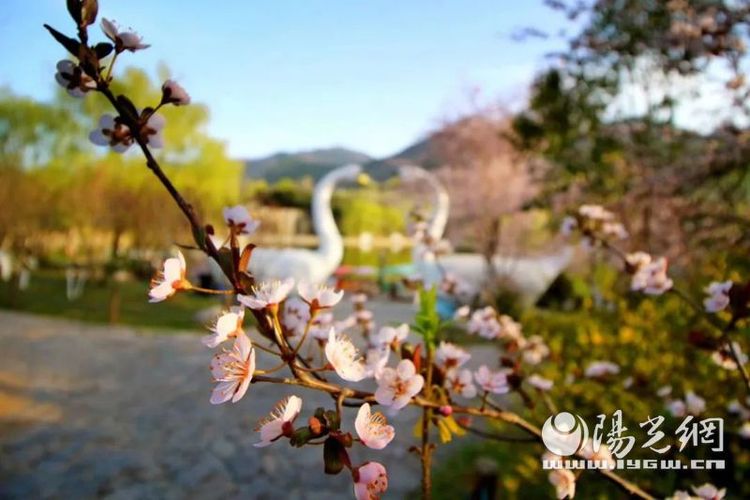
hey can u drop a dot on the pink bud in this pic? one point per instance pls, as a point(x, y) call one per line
point(446, 410)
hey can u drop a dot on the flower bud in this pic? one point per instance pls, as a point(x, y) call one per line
point(446, 410)
point(316, 426)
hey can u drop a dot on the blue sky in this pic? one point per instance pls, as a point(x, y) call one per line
point(372, 75)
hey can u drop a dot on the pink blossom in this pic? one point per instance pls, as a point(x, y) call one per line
point(723, 356)
point(170, 280)
point(123, 39)
point(391, 336)
point(295, 316)
point(449, 356)
point(373, 428)
point(239, 220)
point(344, 357)
point(228, 325)
point(397, 386)
point(172, 92)
point(279, 422)
point(461, 382)
point(709, 492)
point(370, 481)
point(535, 350)
point(489, 381)
point(564, 482)
point(233, 370)
point(650, 275)
point(268, 295)
point(319, 296)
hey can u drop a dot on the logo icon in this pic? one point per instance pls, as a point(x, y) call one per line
point(564, 434)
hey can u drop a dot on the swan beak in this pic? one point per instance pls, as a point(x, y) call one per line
point(364, 180)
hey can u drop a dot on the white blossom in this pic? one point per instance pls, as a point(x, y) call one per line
point(321, 325)
point(462, 313)
point(595, 212)
point(718, 296)
point(376, 359)
point(691, 405)
point(71, 77)
point(597, 369)
point(615, 229)
point(708, 491)
point(539, 382)
point(151, 131)
point(568, 225)
point(664, 391)
point(484, 322)
point(113, 133)
point(723, 356)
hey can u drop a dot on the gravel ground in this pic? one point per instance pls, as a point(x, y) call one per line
point(91, 411)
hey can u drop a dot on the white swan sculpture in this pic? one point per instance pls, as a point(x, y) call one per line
point(531, 276)
point(311, 266)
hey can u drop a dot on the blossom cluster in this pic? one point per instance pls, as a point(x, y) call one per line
point(595, 223)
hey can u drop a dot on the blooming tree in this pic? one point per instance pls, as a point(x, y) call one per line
point(406, 365)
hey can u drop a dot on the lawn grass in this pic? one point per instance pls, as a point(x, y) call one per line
point(46, 295)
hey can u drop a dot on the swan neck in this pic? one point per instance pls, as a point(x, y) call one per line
point(331, 244)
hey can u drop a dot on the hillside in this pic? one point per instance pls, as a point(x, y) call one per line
point(314, 163)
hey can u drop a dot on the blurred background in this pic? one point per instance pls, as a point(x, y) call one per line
point(523, 111)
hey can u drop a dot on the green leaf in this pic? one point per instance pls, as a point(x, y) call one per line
point(199, 235)
point(300, 437)
point(427, 320)
point(333, 452)
point(332, 420)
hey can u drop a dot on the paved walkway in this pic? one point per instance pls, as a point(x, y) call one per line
point(97, 411)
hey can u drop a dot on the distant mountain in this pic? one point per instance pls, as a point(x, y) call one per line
point(315, 163)
point(421, 153)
